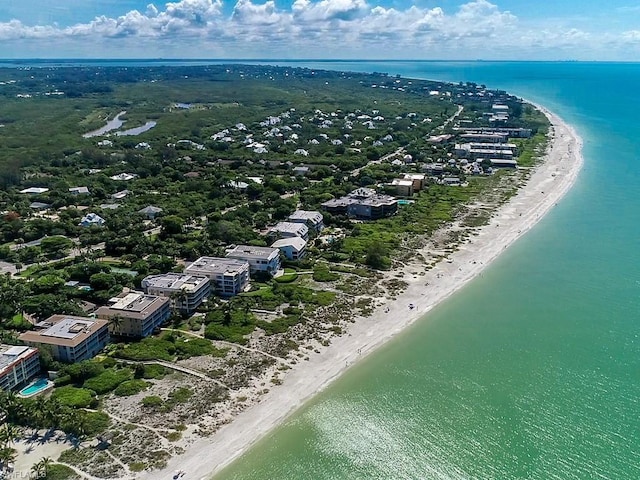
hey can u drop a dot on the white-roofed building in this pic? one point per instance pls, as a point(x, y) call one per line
point(34, 190)
point(120, 195)
point(79, 190)
point(138, 314)
point(292, 248)
point(18, 364)
point(185, 291)
point(228, 276)
point(123, 177)
point(289, 229)
point(261, 259)
point(312, 219)
point(70, 338)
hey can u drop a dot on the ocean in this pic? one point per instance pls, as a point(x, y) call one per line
point(531, 371)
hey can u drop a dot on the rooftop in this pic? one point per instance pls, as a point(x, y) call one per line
point(64, 330)
point(254, 252)
point(135, 302)
point(290, 227)
point(306, 215)
point(150, 209)
point(10, 354)
point(34, 190)
point(217, 265)
point(295, 242)
point(175, 281)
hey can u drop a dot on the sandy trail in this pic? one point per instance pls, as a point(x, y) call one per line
point(547, 184)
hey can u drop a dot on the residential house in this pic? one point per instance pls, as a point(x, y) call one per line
point(40, 206)
point(185, 291)
point(109, 206)
point(289, 229)
point(150, 212)
point(293, 248)
point(261, 259)
point(91, 219)
point(301, 171)
point(313, 220)
point(120, 195)
point(228, 276)
point(79, 190)
point(34, 190)
point(123, 177)
point(69, 338)
point(135, 314)
point(18, 365)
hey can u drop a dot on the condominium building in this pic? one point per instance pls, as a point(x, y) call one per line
point(228, 276)
point(363, 203)
point(135, 314)
point(185, 291)
point(69, 338)
point(261, 259)
point(18, 365)
point(313, 220)
point(289, 230)
point(292, 248)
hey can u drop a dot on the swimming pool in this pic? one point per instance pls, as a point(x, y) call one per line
point(36, 387)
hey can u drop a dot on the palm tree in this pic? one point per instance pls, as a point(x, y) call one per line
point(7, 456)
point(41, 469)
point(177, 299)
point(115, 323)
point(9, 433)
point(39, 413)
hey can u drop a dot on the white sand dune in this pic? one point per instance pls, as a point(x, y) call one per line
point(547, 184)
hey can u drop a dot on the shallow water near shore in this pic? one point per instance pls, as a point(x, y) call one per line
point(529, 372)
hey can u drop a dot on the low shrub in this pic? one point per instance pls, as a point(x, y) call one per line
point(73, 397)
point(152, 401)
point(130, 387)
point(153, 371)
point(108, 380)
point(321, 273)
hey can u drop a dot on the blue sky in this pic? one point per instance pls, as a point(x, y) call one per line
point(377, 29)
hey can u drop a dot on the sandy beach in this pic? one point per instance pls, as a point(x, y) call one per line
point(546, 185)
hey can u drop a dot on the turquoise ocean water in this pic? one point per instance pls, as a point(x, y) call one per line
point(531, 372)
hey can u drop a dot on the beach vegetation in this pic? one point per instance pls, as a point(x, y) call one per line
point(70, 396)
point(130, 387)
point(152, 401)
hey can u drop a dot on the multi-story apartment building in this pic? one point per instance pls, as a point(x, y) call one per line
point(185, 291)
point(70, 339)
point(228, 276)
point(136, 314)
point(261, 259)
point(18, 365)
point(289, 230)
point(313, 220)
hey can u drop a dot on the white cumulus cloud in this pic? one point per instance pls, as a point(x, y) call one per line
point(322, 28)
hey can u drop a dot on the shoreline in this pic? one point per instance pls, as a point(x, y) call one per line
point(554, 176)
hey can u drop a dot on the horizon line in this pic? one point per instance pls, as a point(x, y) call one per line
point(293, 60)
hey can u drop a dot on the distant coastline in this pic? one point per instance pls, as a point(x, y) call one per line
point(549, 182)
